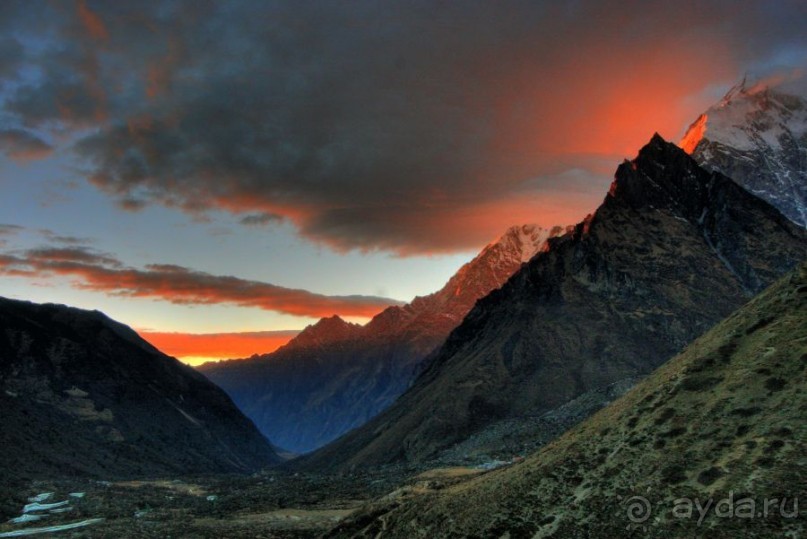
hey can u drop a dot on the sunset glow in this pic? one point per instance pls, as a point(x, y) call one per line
point(219, 172)
point(194, 348)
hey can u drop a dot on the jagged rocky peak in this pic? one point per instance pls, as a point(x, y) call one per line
point(757, 136)
point(487, 271)
point(663, 177)
point(325, 330)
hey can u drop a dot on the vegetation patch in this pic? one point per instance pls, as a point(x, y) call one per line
point(665, 416)
point(709, 476)
point(775, 384)
point(700, 383)
point(746, 412)
point(761, 323)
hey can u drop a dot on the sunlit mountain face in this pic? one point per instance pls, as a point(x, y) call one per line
point(757, 135)
point(220, 176)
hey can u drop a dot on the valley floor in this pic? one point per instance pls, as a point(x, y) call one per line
point(267, 505)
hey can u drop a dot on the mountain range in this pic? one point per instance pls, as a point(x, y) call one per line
point(672, 250)
point(83, 395)
point(335, 376)
point(710, 445)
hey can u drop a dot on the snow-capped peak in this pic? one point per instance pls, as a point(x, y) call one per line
point(756, 136)
point(747, 118)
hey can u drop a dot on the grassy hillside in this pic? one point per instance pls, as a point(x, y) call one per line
point(724, 420)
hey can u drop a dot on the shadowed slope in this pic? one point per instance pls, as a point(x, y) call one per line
point(82, 394)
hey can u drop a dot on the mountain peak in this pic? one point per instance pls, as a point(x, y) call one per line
point(661, 174)
point(325, 331)
point(755, 135)
point(738, 89)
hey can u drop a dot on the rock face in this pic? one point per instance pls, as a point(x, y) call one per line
point(672, 250)
point(84, 395)
point(335, 376)
point(723, 421)
point(758, 137)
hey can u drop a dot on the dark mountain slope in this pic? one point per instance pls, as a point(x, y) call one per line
point(672, 250)
point(722, 421)
point(84, 395)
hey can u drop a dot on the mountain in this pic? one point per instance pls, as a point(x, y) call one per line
point(335, 376)
point(672, 250)
point(758, 137)
point(723, 421)
point(83, 395)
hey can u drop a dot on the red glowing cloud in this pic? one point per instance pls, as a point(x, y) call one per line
point(176, 284)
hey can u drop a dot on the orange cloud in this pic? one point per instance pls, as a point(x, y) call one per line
point(22, 145)
point(212, 346)
point(176, 284)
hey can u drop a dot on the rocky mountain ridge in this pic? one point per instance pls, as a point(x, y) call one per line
point(672, 250)
point(335, 376)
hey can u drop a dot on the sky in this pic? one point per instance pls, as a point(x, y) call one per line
point(218, 175)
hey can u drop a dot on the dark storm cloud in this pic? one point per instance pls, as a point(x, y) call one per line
point(408, 126)
point(98, 271)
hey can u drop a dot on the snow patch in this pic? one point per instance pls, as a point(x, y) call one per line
point(45, 496)
point(52, 529)
point(22, 519)
point(36, 506)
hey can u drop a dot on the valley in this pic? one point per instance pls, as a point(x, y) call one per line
point(403, 270)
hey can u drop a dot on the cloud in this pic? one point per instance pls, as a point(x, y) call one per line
point(91, 22)
point(8, 229)
point(11, 53)
point(22, 145)
point(218, 345)
point(260, 219)
point(381, 125)
point(101, 272)
point(54, 237)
